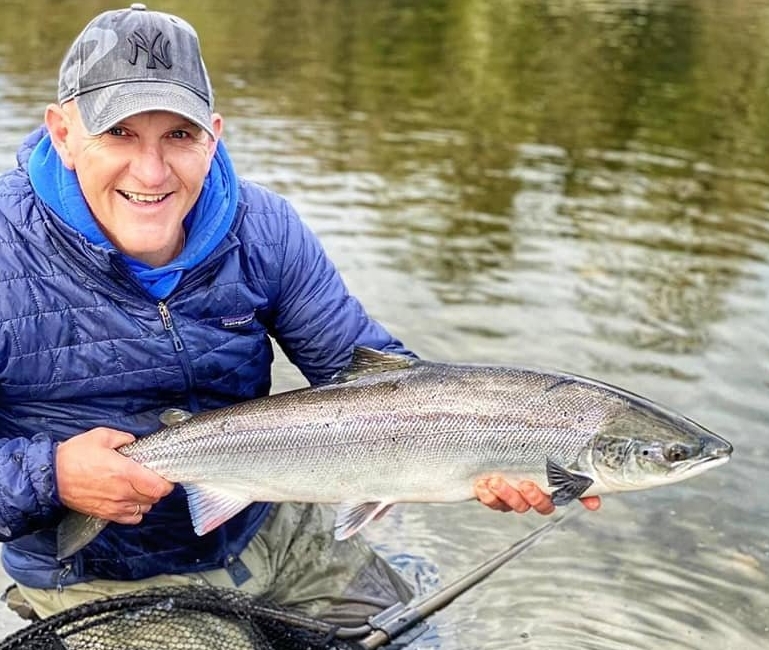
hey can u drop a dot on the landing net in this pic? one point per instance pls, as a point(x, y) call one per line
point(178, 618)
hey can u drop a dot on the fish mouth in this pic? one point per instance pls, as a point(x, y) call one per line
point(715, 451)
point(717, 457)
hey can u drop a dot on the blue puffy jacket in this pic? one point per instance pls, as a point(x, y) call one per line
point(83, 344)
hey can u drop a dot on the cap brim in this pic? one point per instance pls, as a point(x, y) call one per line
point(104, 108)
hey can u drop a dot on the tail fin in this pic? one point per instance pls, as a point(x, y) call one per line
point(75, 531)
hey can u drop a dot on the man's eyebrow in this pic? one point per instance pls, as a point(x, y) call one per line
point(184, 123)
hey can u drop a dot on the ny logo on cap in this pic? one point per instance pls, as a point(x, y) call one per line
point(157, 49)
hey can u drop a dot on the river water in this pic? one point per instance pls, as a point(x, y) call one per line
point(577, 184)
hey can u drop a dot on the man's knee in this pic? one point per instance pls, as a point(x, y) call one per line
point(18, 604)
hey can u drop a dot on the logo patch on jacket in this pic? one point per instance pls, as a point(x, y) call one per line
point(238, 321)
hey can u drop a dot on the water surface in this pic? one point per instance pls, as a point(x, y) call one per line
point(573, 184)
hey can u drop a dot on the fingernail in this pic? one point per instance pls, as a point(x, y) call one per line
point(528, 488)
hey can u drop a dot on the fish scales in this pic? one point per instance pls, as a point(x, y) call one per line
point(393, 429)
point(458, 422)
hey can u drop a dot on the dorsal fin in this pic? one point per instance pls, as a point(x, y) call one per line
point(367, 361)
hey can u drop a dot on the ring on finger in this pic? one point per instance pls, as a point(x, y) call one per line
point(138, 510)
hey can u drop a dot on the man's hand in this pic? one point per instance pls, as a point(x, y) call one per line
point(95, 479)
point(497, 494)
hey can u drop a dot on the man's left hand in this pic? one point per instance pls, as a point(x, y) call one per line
point(498, 494)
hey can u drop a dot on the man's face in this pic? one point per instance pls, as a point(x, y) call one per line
point(141, 178)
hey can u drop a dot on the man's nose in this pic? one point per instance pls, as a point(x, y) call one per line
point(149, 165)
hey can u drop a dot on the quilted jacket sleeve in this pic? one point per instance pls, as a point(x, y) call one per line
point(318, 322)
point(28, 498)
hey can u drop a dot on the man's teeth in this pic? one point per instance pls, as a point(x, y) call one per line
point(143, 198)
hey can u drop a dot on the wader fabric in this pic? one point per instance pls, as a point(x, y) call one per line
point(293, 560)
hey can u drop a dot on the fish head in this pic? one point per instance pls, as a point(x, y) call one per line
point(646, 446)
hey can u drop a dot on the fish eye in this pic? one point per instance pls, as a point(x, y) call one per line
point(677, 452)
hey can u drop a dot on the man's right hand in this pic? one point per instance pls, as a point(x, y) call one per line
point(95, 479)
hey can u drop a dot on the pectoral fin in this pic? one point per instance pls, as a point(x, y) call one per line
point(568, 485)
point(75, 531)
point(350, 518)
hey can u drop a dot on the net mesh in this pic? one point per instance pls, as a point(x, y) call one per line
point(171, 618)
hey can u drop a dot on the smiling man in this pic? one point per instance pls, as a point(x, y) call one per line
point(142, 176)
point(140, 273)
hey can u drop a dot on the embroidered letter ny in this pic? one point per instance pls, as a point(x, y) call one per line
point(157, 49)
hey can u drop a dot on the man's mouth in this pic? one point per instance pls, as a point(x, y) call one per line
point(136, 197)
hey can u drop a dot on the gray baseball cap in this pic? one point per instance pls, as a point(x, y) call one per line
point(133, 60)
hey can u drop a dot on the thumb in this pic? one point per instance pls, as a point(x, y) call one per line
point(147, 482)
point(112, 438)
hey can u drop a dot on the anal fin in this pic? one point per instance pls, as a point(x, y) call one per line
point(350, 518)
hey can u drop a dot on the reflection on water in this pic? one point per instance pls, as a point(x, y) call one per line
point(581, 184)
point(635, 576)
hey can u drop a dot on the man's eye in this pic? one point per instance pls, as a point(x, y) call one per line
point(180, 134)
point(116, 130)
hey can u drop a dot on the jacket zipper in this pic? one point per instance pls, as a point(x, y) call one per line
point(61, 577)
point(189, 376)
point(168, 325)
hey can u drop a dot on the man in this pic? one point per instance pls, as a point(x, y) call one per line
point(140, 273)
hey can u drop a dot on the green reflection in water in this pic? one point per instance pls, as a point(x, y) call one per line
point(621, 145)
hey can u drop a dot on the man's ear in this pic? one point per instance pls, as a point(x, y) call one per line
point(217, 124)
point(59, 127)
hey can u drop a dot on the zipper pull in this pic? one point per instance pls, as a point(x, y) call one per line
point(62, 574)
point(168, 325)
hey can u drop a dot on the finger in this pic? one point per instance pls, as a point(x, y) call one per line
point(488, 498)
point(536, 498)
point(130, 513)
point(508, 495)
point(137, 512)
point(591, 503)
point(112, 437)
point(148, 486)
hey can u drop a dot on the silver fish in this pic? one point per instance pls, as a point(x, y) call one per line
point(393, 429)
